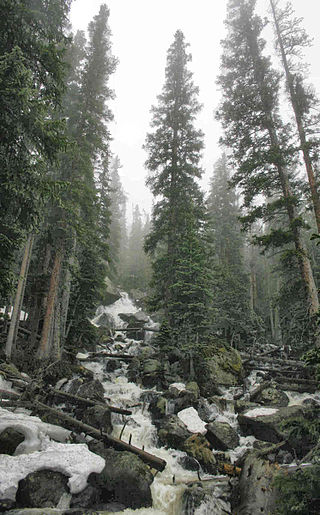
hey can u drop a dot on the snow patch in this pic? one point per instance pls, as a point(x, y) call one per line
point(191, 419)
point(260, 412)
point(34, 430)
point(82, 356)
point(73, 460)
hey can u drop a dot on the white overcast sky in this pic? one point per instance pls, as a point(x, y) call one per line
point(142, 31)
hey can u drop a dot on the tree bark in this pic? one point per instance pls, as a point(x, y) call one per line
point(15, 318)
point(299, 122)
point(45, 342)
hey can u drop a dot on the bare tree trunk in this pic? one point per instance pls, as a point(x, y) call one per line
point(15, 318)
point(44, 348)
point(299, 122)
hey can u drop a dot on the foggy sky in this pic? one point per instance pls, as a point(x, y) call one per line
point(142, 31)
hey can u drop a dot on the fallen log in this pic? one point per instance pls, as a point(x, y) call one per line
point(124, 357)
point(75, 425)
point(296, 380)
point(127, 329)
point(75, 399)
point(296, 363)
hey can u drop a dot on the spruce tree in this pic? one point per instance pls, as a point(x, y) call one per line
point(118, 219)
point(32, 47)
point(260, 142)
point(232, 316)
point(175, 241)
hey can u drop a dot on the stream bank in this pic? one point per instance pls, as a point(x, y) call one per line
point(204, 431)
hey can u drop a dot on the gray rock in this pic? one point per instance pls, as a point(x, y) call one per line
point(172, 432)
point(222, 436)
point(151, 373)
point(125, 478)
point(213, 499)
point(99, 417)
point(222, 367)
point(271, 396)
point(92, 390)
point(41, 489)
point(268, 427)
point(10, 438)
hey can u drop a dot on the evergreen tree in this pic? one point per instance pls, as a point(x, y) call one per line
point(232, 317)
point(291, 38)
point(259, 141)
point(118, 218)
point(32, 48)
point(175, 242)
point(137, 265)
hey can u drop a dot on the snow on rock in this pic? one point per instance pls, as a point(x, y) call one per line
point(177, 387)
point(260, 412)
point(191, 419)
point(82, 356)
point(34, 430)
point(72, 460)
point(38, 452)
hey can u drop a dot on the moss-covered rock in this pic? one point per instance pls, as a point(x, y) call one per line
point(271, 396)
point(198, 447)
point(221, 365)
point(172, 432)
point(222, 436)
point(125, 478)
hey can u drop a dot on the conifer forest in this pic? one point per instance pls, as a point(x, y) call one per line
point(162, 361)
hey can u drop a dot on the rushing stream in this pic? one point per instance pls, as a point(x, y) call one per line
point(169, 485)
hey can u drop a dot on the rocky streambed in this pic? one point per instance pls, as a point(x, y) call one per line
point(222, 436)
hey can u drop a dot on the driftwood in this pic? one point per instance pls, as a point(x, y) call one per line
point(75, 425)
point(75, 399)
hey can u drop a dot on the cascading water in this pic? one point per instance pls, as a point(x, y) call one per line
point(169, 485)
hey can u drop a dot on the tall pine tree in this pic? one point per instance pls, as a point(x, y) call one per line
point(175, 241)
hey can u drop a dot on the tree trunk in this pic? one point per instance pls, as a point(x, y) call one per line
point(299, 122)
point(15, 318)
point(45, 342)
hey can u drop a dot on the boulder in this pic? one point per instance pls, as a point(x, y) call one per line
point(266, 423)
point(106, 321)
point(99, 417)
point(41, 489)
point(222, 436)
point(188, 463)
point(172, 432)
point(111, 293)
point(270, 396)
point(151, 373)
point(222, 366)
point(125, 478)
point(92, 390)
point(10, 438)
point(203, 498)
point(137, 319)
point(198, 448)
point(158, 407)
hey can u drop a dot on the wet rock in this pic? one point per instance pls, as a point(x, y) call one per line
point(10, 438)
point(106, 321)
point(221, 366)
point(6, 504)
point(110, 295)
point(151, 373)
point(89, 497)
point(41, 489)
point(201, 498)
point(158, 407)
point(111, 365)
point(243, 405)
point(188, 463)
point(198, 447)
point(133, 372)
point(172, 432)
point(92, 390)
point(268, 426)
point(222, 436)
point(125, 478)
point(137, 319)
point(99, 417)
point(271, 396)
